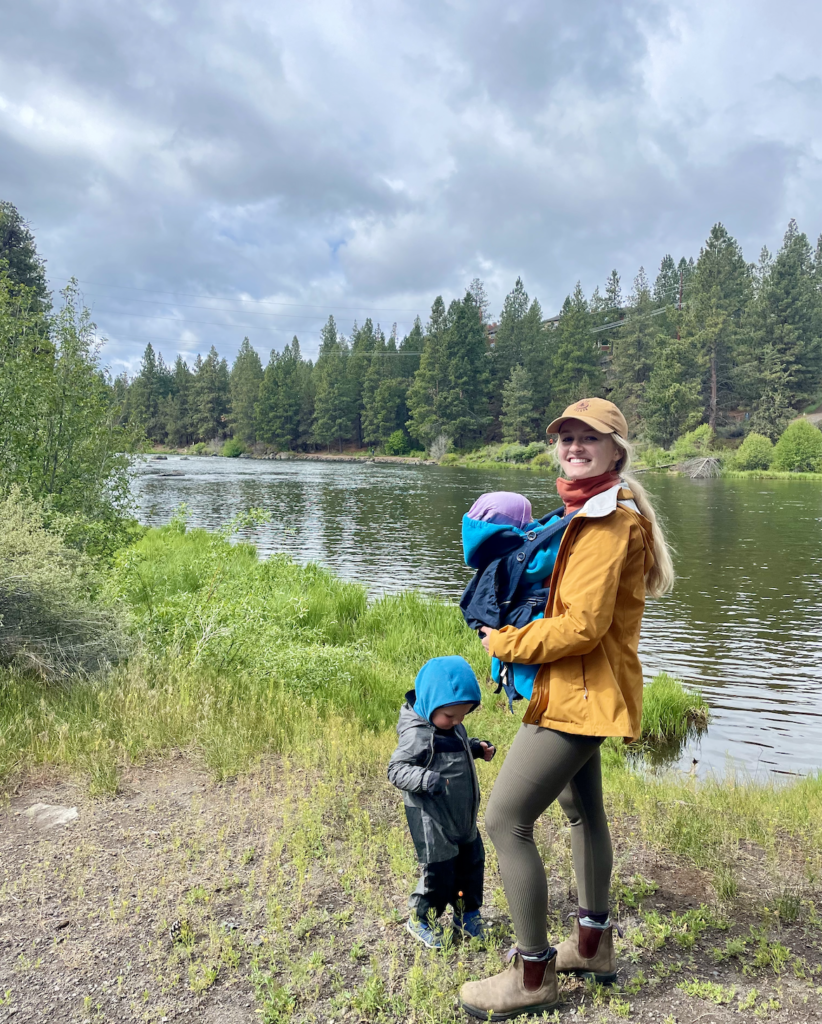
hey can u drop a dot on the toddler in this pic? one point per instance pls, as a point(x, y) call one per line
point(433, 765)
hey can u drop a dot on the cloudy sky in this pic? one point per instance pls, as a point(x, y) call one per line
point(214, 169)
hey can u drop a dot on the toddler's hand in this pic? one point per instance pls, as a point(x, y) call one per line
point(488, 750)
point(483, 635)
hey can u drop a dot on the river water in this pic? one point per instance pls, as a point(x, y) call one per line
point(744, 622)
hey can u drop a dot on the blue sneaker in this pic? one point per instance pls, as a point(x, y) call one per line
point(429, 935)
point(471, 925)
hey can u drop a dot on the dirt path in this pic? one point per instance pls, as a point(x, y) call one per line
point(282, 897)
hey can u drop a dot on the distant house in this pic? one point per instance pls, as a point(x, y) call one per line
point(491, 334)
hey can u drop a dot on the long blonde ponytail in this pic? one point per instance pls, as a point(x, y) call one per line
point(660, 580)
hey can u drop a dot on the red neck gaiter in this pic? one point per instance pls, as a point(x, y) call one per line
point(575, 493)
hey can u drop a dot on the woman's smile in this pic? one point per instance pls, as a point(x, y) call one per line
point(585, 452)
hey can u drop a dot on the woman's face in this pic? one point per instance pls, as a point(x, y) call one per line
point(585, 452)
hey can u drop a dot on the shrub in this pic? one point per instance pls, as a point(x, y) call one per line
point(48, 623)
point(397, 444)
point(755, 452)
point(232, 448)
point(693, 444)
point(799, 450)
point(440, 446)
point(653, 456)
point(200, 448)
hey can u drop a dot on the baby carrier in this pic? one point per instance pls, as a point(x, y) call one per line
point(508, 588)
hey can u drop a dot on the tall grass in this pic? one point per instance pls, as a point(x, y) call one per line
point(240, 659)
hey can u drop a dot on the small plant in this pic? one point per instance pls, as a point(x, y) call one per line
point(708, 990)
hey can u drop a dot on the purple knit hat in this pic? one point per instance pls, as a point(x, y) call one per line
point(502, 507)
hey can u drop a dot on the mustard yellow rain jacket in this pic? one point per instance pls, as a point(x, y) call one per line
point(590, 682)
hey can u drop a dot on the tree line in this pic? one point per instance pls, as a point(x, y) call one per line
point(713, 339)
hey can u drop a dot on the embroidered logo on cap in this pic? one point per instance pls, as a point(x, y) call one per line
point(582, 406)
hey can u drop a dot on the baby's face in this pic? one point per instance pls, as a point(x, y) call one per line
point(447, 718)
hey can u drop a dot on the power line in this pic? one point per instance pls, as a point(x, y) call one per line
point(212, 323)
point(262, 302)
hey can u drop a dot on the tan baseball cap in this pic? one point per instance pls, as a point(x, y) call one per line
point(598, 413)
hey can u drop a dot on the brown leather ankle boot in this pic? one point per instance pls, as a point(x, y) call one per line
point(589, 953)
point(526, 987)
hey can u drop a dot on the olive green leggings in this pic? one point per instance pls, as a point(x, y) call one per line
point(544, 765)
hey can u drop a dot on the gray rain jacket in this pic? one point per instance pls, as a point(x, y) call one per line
point(439, 824)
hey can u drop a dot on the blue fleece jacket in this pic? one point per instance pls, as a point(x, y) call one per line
point(493, 598)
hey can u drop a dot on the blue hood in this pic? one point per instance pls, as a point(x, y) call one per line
point(495, 539)
point(444, 681)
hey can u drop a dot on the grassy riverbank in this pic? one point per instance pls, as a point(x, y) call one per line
point(230, 777)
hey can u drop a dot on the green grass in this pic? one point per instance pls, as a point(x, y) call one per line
point(768, 474)
point(670, 711)
point(242, 659)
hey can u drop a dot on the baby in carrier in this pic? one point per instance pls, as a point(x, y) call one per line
point(513, 555)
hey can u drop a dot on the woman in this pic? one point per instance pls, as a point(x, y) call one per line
point(589, 686)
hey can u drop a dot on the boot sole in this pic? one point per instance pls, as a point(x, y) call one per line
point(475, 1011)
point(600, 979)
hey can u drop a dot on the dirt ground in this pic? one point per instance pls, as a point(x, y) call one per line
point(281, 897)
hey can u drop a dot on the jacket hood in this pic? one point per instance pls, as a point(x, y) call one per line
point(482, 541)
point(442, 682)
point(605, 503)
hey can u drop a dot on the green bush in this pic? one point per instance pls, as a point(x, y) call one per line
point(799, 450)
point(200, 448)
point(49, 622)
point(755, 452)
point(653, 456)
point(232, 448)
point(397, 444)
point(693, 444)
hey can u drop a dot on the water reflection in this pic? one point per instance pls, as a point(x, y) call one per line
point(745, 620)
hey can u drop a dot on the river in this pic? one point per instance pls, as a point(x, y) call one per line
point(744, 622)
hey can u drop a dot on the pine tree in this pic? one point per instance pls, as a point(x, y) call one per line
point(633, 349)
point(209, 396)
point(25, 266)
point(384, 394)
point(147, 394)
point(279, 403)
point(429, 385)
point(464, 404)
point(335, 404)
point(518, 407)
point(245, 380)
point(666, 285)
point(784, 328)
point(718, 293)
point(176, 407)
point(363, 342)
point(672, 401)
point(613, 294)
point(576, 370)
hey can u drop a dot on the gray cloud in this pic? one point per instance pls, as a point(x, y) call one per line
point(359, 158)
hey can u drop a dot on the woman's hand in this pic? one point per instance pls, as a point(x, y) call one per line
point(483, 635)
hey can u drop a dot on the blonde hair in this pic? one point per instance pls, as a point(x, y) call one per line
point(660, 579)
